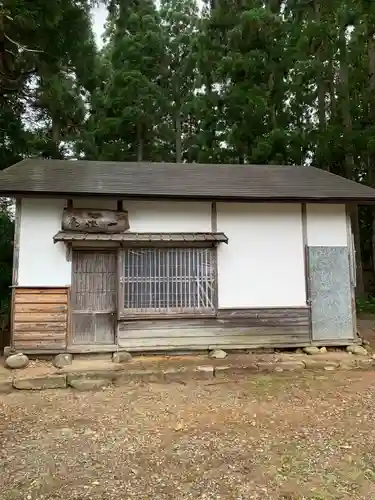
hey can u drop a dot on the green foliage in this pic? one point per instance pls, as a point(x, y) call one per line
point(257, 81)
point(47, 64)
point(366, 305)
point(128, 104)
point(6, 253)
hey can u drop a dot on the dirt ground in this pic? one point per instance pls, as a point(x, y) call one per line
point(366, 327)
point(296, 436)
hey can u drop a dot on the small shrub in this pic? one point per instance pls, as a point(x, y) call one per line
point(366, 304)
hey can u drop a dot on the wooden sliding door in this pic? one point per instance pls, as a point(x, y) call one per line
point(94, 293)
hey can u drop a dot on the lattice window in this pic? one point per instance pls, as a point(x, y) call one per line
point(168, 280)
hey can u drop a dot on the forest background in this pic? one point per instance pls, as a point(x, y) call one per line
point(227, 81)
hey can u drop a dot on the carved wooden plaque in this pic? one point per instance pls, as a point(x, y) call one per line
point(95, 221)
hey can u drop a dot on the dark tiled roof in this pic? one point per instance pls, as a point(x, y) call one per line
point(193, 180)
point(142, 237)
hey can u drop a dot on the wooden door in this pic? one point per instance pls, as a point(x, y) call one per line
point(331, 291)
point(94, 292)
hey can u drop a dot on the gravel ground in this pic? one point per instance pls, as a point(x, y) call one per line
point(297, 436)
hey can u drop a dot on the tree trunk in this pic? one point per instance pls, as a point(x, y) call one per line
point(178, 136)
point(349, 158)
point(56, 138)
point(371, 59)
point(360, 284)
point(320, 154)
point(210, 144)
point(271, 88)
point(139, 142)
point(345, 108)
point(332, 93)
point(321, 97)
point(2, 53)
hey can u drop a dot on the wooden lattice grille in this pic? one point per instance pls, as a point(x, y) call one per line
point(168, 280)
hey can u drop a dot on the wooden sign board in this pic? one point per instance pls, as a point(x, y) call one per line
point(95, 221)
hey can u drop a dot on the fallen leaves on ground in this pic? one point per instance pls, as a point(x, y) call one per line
point(279, 437)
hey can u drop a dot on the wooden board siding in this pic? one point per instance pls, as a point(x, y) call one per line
point(231, 329)
point(40, 318)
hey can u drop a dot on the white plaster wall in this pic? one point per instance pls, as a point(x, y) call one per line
point(42, 262)
point(159, 216)
point(263, 263)
point(326, 225)
point(101, 203)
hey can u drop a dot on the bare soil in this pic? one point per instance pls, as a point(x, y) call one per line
point(295, 436)
point(366, 327)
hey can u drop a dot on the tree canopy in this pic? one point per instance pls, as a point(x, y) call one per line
point(258, 81)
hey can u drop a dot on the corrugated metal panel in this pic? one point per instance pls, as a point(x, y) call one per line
point(142, 237)
point(330, 293)
point(253, 182)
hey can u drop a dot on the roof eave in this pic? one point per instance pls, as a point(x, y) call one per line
point(363, 200)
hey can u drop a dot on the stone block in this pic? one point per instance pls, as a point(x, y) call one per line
point(8, 351)
point(235, 370)
point(203, 372)
point(125, 377)
point(121, 357)
point(15, 361)
point(357, 349)
point(218, 354)
point(267, 366)
point(62, 360)
point(364, 363)
point(40, 383)
point(188, 373)
point(289, 366)
point(6, 386)
point(311, 349)
point(176, 374)
point(92, 375)
point(320, 364)
point(87, 384)
point(348, 363)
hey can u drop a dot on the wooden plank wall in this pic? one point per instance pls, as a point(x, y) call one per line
point(40, 319)
point(231, 329)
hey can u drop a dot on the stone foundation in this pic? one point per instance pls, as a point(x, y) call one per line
point(94, 374)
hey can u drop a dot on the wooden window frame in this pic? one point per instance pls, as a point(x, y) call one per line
point(127, 314)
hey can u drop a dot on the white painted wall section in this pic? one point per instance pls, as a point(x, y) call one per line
point(159, 216)
point(263, 263)
point(42, 262)
point(326, 225)
point(168, 216)
point(96, 203)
